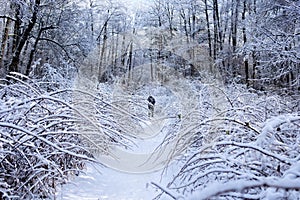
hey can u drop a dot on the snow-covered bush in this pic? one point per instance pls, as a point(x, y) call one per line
point(51, 77)
point(40, 146)
point(253, 154)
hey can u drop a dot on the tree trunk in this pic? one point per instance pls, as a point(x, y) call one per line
point(183, 16)
point(246, 63)
point(92, 20)
point(102, 51)
point(13, 67)
point(123, 51)
point(234, 22)
point(34, 48)
point(254, 53)
point(170, 15)
point(5, 37)
point(217, 29)
point(208, 28)
point(215, 8)
point(129, 63)
point(17, 30)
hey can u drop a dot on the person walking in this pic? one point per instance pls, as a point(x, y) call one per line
point(151, 103)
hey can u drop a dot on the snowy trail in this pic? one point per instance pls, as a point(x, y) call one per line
point(127, 177)
point(129, 173)
point(133, 162)
point(111, 185)
point(129, 161)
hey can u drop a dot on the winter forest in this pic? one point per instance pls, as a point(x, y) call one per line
point(75, 122)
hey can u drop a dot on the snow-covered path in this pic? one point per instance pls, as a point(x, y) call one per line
point(144, 158)
point(111, 184)
point(129, 174)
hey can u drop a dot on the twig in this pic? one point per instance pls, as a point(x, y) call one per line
point(165, 191)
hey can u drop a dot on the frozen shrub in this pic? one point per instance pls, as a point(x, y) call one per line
point(39, 144)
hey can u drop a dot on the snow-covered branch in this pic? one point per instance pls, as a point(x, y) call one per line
point(249, 150)
point(40, 146)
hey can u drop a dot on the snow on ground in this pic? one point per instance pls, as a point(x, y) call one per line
point(130, 173)
point(125, 178)
point(105, 183)
point(132, 160)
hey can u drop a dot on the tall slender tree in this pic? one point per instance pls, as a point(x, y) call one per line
point(13, 67)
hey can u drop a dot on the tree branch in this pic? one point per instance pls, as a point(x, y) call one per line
point(61, 46)
point(7, 17)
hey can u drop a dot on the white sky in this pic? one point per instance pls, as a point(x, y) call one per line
point(136, 4)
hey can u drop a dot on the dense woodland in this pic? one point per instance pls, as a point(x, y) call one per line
point(251, 42)
point(248, 44)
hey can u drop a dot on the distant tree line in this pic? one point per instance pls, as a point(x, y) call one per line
point(254, 42)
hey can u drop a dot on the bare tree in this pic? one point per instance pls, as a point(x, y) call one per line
point(209, 38)
point(13, 66)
